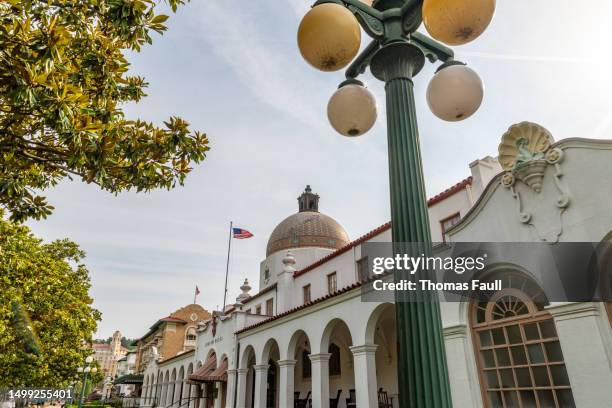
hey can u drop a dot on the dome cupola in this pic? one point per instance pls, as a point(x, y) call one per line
point(307, 228)
point(308, 201)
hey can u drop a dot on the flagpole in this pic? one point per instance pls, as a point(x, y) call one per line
point(229, 246)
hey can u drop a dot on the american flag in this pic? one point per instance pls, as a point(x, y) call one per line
point(240, 233)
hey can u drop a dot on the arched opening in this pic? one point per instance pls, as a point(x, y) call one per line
point(518, 353)
point(196, 390)
point(336, 341)
point(271, 355)
point(145, 386)
point(180, 384)
point(190, 387)
point(171, 388)
point(158, 388)
point(164, 395)
point(248, 361)
point(150, 390)
point(380, 330)
point(299, 350)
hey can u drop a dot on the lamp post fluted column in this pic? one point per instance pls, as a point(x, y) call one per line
point(329, 38)
point(422, 368)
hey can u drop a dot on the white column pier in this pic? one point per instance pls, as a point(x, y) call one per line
point(242, 387)
point(320, 380)
point(261, 385)
point(286, 385)
point(231, 386)
point(364, 360)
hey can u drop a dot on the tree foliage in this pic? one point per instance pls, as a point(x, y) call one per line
point(46, 316)
point(63, 82)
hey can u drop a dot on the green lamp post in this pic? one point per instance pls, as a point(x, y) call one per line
point(329, 37)
point(86, 369)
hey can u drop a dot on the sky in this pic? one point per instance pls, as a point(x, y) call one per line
point(232, 69)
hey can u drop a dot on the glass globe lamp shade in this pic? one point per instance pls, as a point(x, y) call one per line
point(87, 369)
point(94, 370)
point(329, 37)
point(455, 93)
point(80, 370)
point(457, 22)
point(88, 359)
point(352, 110)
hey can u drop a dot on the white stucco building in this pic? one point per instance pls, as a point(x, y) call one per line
point(306, 337)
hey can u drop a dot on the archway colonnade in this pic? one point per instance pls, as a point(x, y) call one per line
point(337, 364)
point(171, 388)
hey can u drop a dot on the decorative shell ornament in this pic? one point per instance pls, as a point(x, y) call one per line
point(523, 152)
point(521, 142)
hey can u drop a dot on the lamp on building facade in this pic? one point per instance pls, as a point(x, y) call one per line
point(86, 369)
point(327, 37)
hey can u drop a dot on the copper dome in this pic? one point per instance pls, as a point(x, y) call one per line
point(307, 228)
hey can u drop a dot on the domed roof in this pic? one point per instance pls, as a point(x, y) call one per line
point(307, 228)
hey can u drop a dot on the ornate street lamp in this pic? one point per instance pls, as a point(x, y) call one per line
point(86, 369)
point(328, 38)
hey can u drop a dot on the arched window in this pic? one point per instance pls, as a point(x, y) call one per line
point(306, 364)
point(190, 337)
point(518, 352)
point(334, 360)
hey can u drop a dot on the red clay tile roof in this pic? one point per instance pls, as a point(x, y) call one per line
point(450, 191)
point(344, 249)
point(305, 305)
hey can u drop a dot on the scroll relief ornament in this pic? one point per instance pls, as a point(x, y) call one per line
point(525, 153)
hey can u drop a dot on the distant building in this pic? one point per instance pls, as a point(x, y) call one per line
point(170, 336)
point(107, 355)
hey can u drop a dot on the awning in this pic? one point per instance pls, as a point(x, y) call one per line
point(129, 379)
point(220, 374)
point(202, 373)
